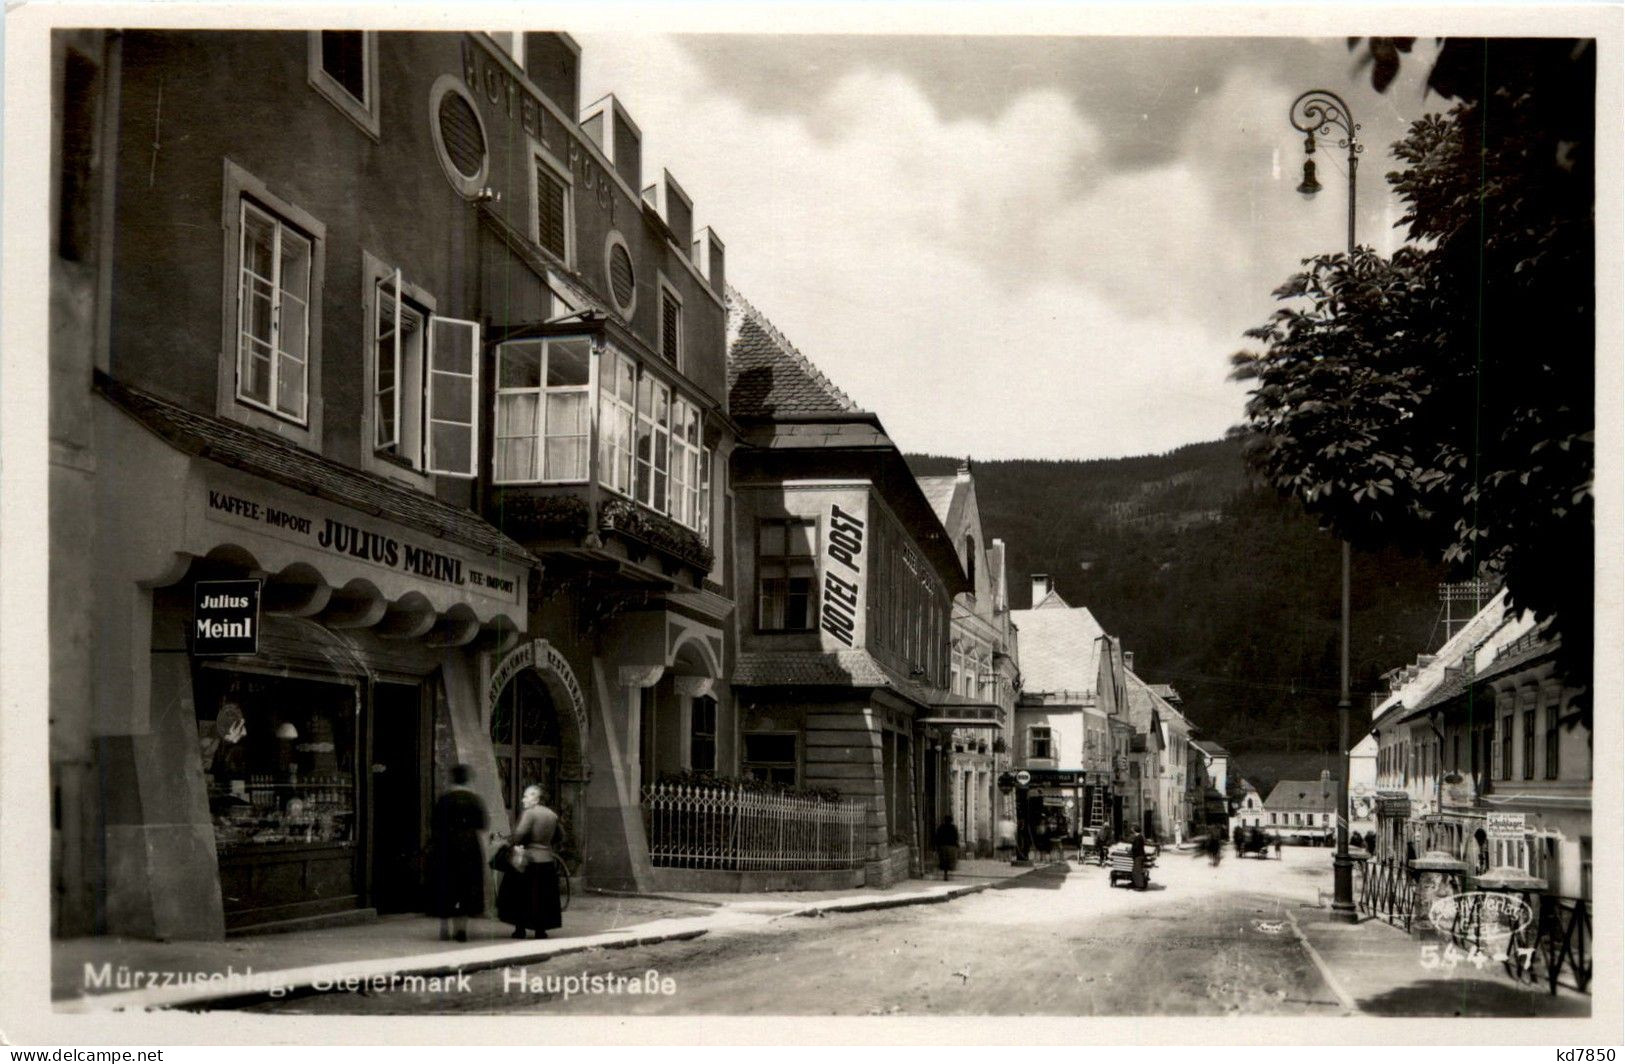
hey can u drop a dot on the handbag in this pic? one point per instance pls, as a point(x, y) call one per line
point(502, 859)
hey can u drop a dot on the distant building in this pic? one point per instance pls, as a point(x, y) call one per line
point(1485, 727)
point(1072, 688)
point(1249, 812)
point(1217, 760)
point(1302, 810)
point(982, 660)
point(1362, 811)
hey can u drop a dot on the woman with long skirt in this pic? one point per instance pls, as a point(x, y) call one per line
point(529, 896)
point(458, 861)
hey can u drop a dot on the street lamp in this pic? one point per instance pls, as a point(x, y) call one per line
point(1321, 113)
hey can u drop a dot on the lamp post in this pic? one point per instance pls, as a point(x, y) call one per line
point(1319, 112)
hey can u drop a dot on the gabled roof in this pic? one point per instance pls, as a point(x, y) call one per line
point(939, 492)
point(1246, 785)
point(1145, 709)
point(1303, 795)
point(1052, 600)
point(1437, 672)
point(1060, 649)
point(1208, 747)
point(768, 376)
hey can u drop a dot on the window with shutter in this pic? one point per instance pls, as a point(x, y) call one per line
point(552, 207)
point(452, 421)
point(671, 317)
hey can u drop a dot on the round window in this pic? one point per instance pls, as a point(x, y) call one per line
point(459, 135)
point(623, 284)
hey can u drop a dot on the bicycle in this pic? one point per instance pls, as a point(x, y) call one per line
point(565, 874)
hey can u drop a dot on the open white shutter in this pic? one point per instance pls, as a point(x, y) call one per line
point(452, 397)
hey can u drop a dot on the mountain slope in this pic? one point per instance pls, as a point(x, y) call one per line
point(1219, 587)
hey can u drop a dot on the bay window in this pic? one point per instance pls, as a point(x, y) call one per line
point(543, 418)
point(273, 314)
point(617, 421)
point(653, 456)
point(686, 455)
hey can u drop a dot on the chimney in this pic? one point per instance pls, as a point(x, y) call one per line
point(674, 207)
point(1041, 587)
point(995, 571)
point(617, 136)
point(1128, 660)
point(707, 255)
point(552, 62)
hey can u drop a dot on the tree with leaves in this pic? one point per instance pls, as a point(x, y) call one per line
point(1442, 399)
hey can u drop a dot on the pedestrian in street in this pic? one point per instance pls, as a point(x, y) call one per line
point(1041, 838)
point(457, 856)
point(946, 841)
point(529, 896)
point(1136, 849)
point(1277, 847)
point(1371, 844)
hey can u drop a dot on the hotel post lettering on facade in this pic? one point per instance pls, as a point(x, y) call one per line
point(841, 593)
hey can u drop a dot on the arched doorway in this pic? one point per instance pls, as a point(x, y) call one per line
point(527, 737)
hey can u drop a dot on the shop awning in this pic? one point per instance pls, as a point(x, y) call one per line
point(960, 711)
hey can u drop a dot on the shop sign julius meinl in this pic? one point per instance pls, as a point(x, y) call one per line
point(226, 617)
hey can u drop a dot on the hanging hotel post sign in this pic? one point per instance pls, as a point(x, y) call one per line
point(843, 576)
point(226, 617)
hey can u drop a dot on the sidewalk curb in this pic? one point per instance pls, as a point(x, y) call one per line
point(298, 982)
point(1343, 999)
point(934, 897)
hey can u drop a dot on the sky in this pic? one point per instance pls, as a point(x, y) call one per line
point(1012, 246)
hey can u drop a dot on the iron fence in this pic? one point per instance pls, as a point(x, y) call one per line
point(1553, 947)
point(1388, 892)
point(729, 828)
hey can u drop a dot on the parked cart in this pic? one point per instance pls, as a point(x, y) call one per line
point(1122, 861)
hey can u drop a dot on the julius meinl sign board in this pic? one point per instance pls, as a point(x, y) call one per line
point(226, 617)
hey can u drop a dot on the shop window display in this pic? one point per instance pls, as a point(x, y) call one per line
point(278, 758)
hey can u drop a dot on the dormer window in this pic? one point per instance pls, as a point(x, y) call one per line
point(554, 228)
point(671, 324)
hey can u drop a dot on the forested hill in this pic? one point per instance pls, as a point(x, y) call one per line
point(1217, 585)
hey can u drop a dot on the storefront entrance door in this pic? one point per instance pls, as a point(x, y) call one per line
point(398, 801)
point(525, 735)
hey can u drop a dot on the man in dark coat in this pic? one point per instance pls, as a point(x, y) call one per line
point(946, 840)
point(1137, 852)
point(458, 866)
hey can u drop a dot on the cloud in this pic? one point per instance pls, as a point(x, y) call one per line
point(993, 279)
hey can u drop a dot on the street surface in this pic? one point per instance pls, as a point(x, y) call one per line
point(1203, 940)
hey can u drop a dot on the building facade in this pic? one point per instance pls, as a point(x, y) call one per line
point(1485, 755)
point(983, 663)
point(1303, 811)
point(455, 441)
point(1064, 743)
point(849, 576)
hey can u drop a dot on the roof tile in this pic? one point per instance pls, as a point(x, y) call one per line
point(768, 376)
